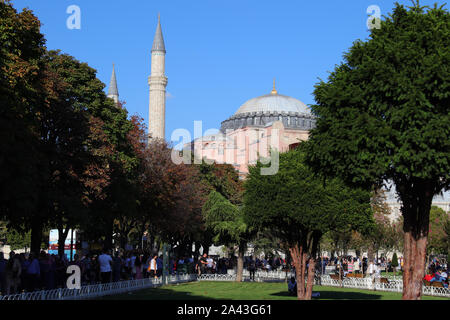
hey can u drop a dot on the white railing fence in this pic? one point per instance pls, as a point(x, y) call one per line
point(368, 283)
point(216, 277)
point(98, 290)
point(265, 275)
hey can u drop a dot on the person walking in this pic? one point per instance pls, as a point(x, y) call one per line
point(13, 271)
point(116, 267)
point(105, 262)
point(197, 266)
point(33, 272)
point(203, 263)
point(180, 265)
point(356, 265)
point(3, 263)
point(252, 269)
point(138, 267)
point(159, 266)
point(145, 265)
point(153, 267)
point(132, 265)
point(350, 266)
point(209, 265)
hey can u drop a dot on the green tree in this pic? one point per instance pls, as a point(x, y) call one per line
point(447, 231)
point(3, 232)
point(384, 236)
point(394, 261)
point(64, 129)
point(224, 179)
point(67, 158)
point(22, 46)
point(438, 236)
point(226, 221)
point(18, 239)
point(300, 207)
point(384, 115)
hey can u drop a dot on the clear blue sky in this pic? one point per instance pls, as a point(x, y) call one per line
point(219, 53)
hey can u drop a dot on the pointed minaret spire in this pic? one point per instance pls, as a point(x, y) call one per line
point(158, 41)
point(112, 90)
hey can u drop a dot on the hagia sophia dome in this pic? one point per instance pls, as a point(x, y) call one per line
point(264, 110)
point(274, 103)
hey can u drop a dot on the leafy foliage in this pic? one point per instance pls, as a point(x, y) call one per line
point(225, 220)
point(295, 200)
point(20, 52)
point(300, 207)
point(18, 240)
point(394, 261)
point(383, 115)
point(438, 235)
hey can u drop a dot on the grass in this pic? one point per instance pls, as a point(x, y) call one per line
point(209, 290)
point(398, 273)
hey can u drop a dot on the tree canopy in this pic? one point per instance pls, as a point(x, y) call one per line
point(383, 114)
point(438, 235)
point(300, 207)
point(224, 219)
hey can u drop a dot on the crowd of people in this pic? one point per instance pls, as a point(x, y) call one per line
point(437, 272)
point(30, 272)
point(221, 265)
point(349, 264)
point(27, 272)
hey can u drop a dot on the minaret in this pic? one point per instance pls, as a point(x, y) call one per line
point(112, 90)
point(157, 82)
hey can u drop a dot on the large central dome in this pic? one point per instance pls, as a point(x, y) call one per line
point(265, 110)
point(273, 102)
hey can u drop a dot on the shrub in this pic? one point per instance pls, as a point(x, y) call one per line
point(394, 262)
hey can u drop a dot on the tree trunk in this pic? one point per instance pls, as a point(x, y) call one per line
point(189, 248)
point(240, 262)
point(152, 243)
point(196, 251)
point(36, 235)
point(303, 273)
point(369, 257)
point(310, 280)
point(62, 236)
point(142, 232)
point(414, 266)
point(299, 259)
point(108, 234)
point(205, 247)
point(313, 246)
point(416, 205)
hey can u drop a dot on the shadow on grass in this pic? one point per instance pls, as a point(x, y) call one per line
point(335, 295)
point(157, 294)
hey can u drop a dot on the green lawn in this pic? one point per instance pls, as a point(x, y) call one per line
point(398, 273)
point(206, 290)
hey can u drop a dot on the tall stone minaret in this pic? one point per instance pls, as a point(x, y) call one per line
point(112, 90)
point(157, 82)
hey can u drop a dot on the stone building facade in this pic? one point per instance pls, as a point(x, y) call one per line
point(272, 121)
